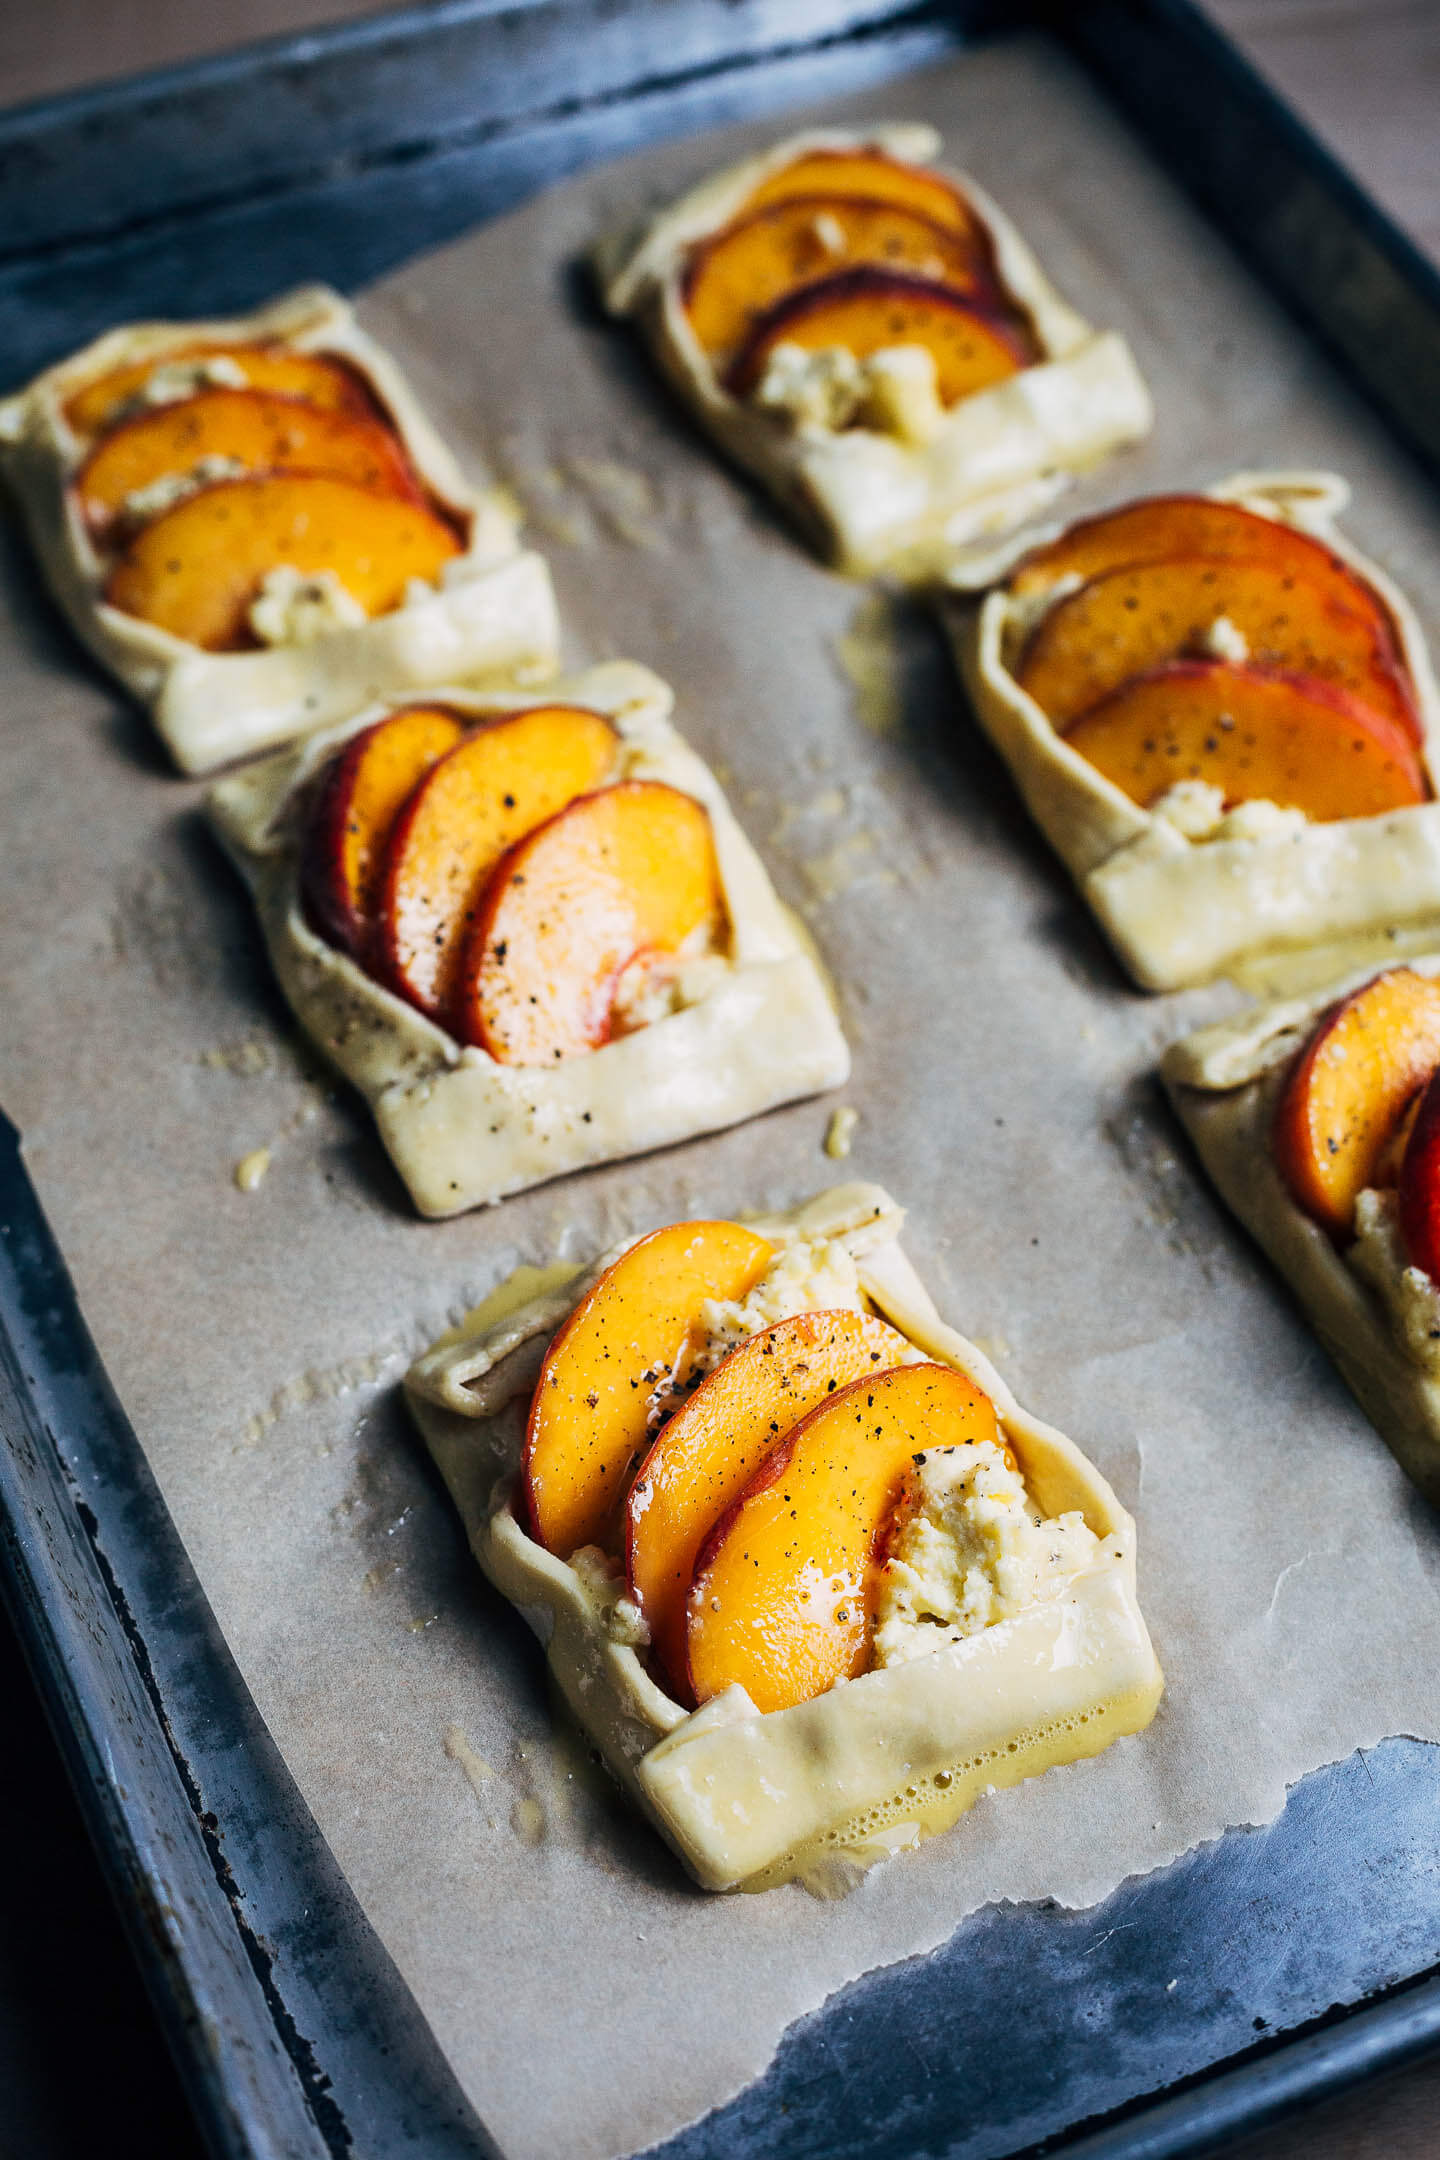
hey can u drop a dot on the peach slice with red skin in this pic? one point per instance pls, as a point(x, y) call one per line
point(1418, 1195)
point(874, 177)
point(783, 1593)
point(320, 379)
point(465, 813)
point(736, 277)
point(630, 1334)
point(1366, 1060)
point(360, 795)
point(257, 429)
point(1125, 622)
point(195, 570)
point(629, 871)
point(705, 1455)
point(868, 310)
point(1257, 735)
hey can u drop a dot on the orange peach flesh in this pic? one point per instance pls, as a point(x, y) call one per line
point(1255, 736)
point(625, 1341)
point(706, 1454)
point(782, 1598)
point(257, 429)
point(502, 782)
point(1351, 1085)
point(733, 279)
point(360, 795)
point(319, 378)
point(1125, 622)
point(865, 311)
point(877, 178)
point(629, 871)
point(196, 570)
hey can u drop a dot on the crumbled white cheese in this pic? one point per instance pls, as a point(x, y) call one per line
point(893, 392)
point(1224, 641)
point(840, 1132)
point(829, 232)
point(1193, 807)
point(1410, 1296)
point(806, 1275)
point(176, 379)
point(1196, 808)
point(967, 1550)
point(294, 608)
point(144, 503)
point(621, 1619)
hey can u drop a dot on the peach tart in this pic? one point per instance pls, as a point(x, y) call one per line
point(867, 332)
point(1318, 1118)
point(806, 1573)
point(254, 526)
point(527, 927)
point(1222, 717)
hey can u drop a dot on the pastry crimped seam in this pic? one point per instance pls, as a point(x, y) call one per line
point(1225, 1082)
point(463, 1129)
point(749, 1797)
point(492, 614)
point(1180, 911)
point(869, 500)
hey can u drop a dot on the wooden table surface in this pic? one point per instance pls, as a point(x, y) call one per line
point(83, 2070)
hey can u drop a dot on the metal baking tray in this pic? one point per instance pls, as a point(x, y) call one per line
point(1310, 1947)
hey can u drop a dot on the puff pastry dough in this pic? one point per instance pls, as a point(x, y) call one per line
point(751, 1798)
point(464, 1130)
point(871, 500)
point(1225, 1082)
point(493, 612)
point(1181, 911)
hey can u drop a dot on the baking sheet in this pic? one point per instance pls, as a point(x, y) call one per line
point(1289, 1575)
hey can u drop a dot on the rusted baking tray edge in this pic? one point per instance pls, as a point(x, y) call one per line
point(1304, 1949)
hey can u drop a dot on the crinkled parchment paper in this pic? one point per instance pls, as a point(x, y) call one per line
point(1291, 1579)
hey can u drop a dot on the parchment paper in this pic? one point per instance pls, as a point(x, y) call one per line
point(590, 1999)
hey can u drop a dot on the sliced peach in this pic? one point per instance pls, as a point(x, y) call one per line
point(625, 1342)
point(195, 570)
point(1256, 735)
point(490, 791)
point(1126, 622)
point(361, 793)
point(257, 429)
point(873, 177)
point(706, 1454)
point(1419, 1185)
point(630, 870)
point(784, 1586)
point(1350, 1087)
point(866, 310)
point(733, 279)
point(317, 378)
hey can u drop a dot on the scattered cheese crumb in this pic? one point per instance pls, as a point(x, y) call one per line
point(841, 1131)
point(144, 503)
point(829, 232)
point(968, 1551)
point(177, 379)
point(893, 391)
point(294, 608)
point(1224, 641)
point(250, 1170)
point(658, 984)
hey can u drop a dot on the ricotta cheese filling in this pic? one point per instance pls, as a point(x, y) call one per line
point(893, 391)
point(1196, 808)
point(177, 379)
point(1224, 640)
point(294, 607)
point(1409, 1294)
point(655, 985)
point(967, 1549)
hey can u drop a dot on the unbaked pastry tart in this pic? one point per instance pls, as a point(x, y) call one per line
point(528, 928)
point(1220, 715)
point(1318, 1119)
point(806, 1573)
point(255, 527)
point(867, 332)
